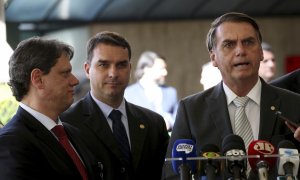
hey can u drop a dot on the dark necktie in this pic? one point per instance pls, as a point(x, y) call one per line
point(120, 134)
point(64, 141)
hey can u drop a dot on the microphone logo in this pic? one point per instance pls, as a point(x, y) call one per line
point(187, 148)
point(264, 147)
point(235, 152)
point(210, 154)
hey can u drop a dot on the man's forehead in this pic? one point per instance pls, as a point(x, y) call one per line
point(235, 30)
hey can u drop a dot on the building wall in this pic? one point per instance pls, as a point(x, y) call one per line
point(183, 45)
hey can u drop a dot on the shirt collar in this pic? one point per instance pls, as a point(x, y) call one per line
point(45, 120)
point(106, 109)
point(254, 94)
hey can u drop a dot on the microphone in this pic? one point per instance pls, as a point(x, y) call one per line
point(184, 148)
point(288, 161)
point(234, 146)
point(210, 167)
point(264, 163)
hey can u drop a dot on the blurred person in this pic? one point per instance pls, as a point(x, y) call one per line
point(8, 104)
point(290, 81)
point(210, 76)
point(150, 90)
point(234, 45)
point(42, 82)
point(128, 141)
point(267, 68)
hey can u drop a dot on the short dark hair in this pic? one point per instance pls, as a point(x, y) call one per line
point(267, 47)
point(106, 37)
point(229, 17)
point(146, 59)
point(32, 53)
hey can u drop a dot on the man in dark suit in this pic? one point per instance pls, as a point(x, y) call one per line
point(140, 154)
point(41, 79)
point(234, 45)
point(290, 81)
point(150, 90)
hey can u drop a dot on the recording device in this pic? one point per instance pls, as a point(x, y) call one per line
point(210, 167)
point(184, 148)
point(264, 163)
point(288, 162)
point(281, 117)
point(234, 146)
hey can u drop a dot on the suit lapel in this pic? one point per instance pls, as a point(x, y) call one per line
point(97, 122)
point(269, 105)
point(138, 128)
point(46, 139)
point(218, 111)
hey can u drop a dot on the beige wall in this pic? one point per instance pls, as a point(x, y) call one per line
point(183, 44)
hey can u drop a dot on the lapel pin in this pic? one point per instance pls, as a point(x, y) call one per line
point(273, 108)
point(142, 126)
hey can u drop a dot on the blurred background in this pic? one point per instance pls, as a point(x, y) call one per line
point(174, 28)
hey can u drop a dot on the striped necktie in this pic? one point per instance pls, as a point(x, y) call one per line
point(242, 125)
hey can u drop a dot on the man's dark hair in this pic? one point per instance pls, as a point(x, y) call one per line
point(109, 38)
point(30, 54)
point(229, 17)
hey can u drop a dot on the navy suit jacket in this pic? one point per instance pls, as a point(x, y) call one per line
point(148, 138)
point(28, 151)
point(204, 118)
point(290, 81)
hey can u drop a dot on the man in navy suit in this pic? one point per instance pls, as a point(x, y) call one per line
point(290, 81)
point(108, 69)
point(41, 79)
point(234, 45)
point(150, 90)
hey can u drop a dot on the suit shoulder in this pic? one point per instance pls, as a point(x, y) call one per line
point(198, 96)
point(73, 112)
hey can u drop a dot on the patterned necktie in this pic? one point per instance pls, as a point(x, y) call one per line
point(242, 125)
point(120, 134)
point(60, 133)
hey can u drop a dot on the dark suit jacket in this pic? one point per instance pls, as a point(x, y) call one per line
point(204, 118)
point(148, 137)
point(28, 151)
point(290, 81)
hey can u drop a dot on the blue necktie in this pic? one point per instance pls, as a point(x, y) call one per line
point(120, 134)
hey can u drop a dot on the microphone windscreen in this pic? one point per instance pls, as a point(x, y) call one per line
point(286, 144)
point(210, 151)
point(232, 141)
point(261, 148)
point(288, 155)
point(184, 148)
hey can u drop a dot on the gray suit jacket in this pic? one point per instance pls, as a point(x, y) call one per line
point(204, 118)
point(148, 137)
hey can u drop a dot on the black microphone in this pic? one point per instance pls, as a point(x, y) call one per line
point(210, 167)
point(184, 148)
point(288, 161)
point(234, 146)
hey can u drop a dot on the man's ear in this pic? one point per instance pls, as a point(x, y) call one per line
point(37, 78)
point(212, 57)
point(86, 67)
